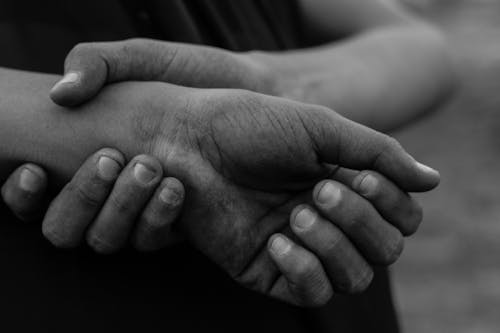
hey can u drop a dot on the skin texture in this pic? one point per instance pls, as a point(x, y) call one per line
point(245, 159)
point(383, 78)
point(343, 237)
point(104, 204)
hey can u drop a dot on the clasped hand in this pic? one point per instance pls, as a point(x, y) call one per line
point(267, 186)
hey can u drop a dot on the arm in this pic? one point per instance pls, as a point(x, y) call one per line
point(333, 18)
point(238, 184)
point(382, 78)
point(34, 129)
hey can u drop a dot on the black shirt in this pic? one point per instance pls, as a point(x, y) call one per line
point(176, 290)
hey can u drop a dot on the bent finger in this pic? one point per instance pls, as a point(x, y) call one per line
point(72, 211)
point(131, 192)
point(155, 227)
point(376, 239)
point(347, 269)
point(303, 281)
point(396, 206)
point(345, 143)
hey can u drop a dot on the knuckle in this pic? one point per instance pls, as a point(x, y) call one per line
point(152, 221)
point(81, 49)
point(360, 284)
point(87, 195)
point(389, 147)
point(393, 251)
point(334, 242)
point(120, 204)
point(393, 144)
point(57, 238)
point(413, 221)
point(354, 225)
point(307, 268)
point(99, 245)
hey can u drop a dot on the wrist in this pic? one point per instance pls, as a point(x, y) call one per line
point(268, 73)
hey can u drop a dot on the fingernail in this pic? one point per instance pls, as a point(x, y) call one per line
point(305, 219)
point(368, 185)
point(144, 174)
point(280, 246)
point(29, 181)
point(170, 195)
point(70, 77)
point(329, 195)
point(426, 169)
point(108, 168)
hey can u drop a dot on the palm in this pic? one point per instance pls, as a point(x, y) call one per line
point(246, 166)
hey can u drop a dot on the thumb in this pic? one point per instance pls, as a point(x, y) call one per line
point(89, 66)
point(348, 144)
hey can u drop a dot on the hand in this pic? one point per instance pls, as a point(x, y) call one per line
point(248, 160)
point(104, 203)
point(90, 66)
point(240, 190)
point(355, 77)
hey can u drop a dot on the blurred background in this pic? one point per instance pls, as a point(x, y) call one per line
point(449, 277)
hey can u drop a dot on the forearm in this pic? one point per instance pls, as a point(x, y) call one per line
point(382, 78)
point(34, 129)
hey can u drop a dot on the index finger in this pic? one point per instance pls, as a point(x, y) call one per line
point(340, 141)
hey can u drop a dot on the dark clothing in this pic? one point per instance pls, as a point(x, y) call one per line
point(177, 290)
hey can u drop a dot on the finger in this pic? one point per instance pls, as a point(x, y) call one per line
point(304, 281)
point(154, 229)
point(75, 207)
point(24, 192)
point(347, 144)
point(89, 66)
point(376, 239)
point(133, 189)
point(394, 205)
point(347, 269)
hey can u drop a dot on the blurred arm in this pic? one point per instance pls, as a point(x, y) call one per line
point(331, 18)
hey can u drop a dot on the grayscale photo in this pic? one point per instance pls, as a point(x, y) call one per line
point(298, 166)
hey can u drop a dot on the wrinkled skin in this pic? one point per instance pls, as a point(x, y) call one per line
point(246, 160)
point(246, 172)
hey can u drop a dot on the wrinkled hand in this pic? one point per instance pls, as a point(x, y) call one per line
point(105, 204)
point(248, 160)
